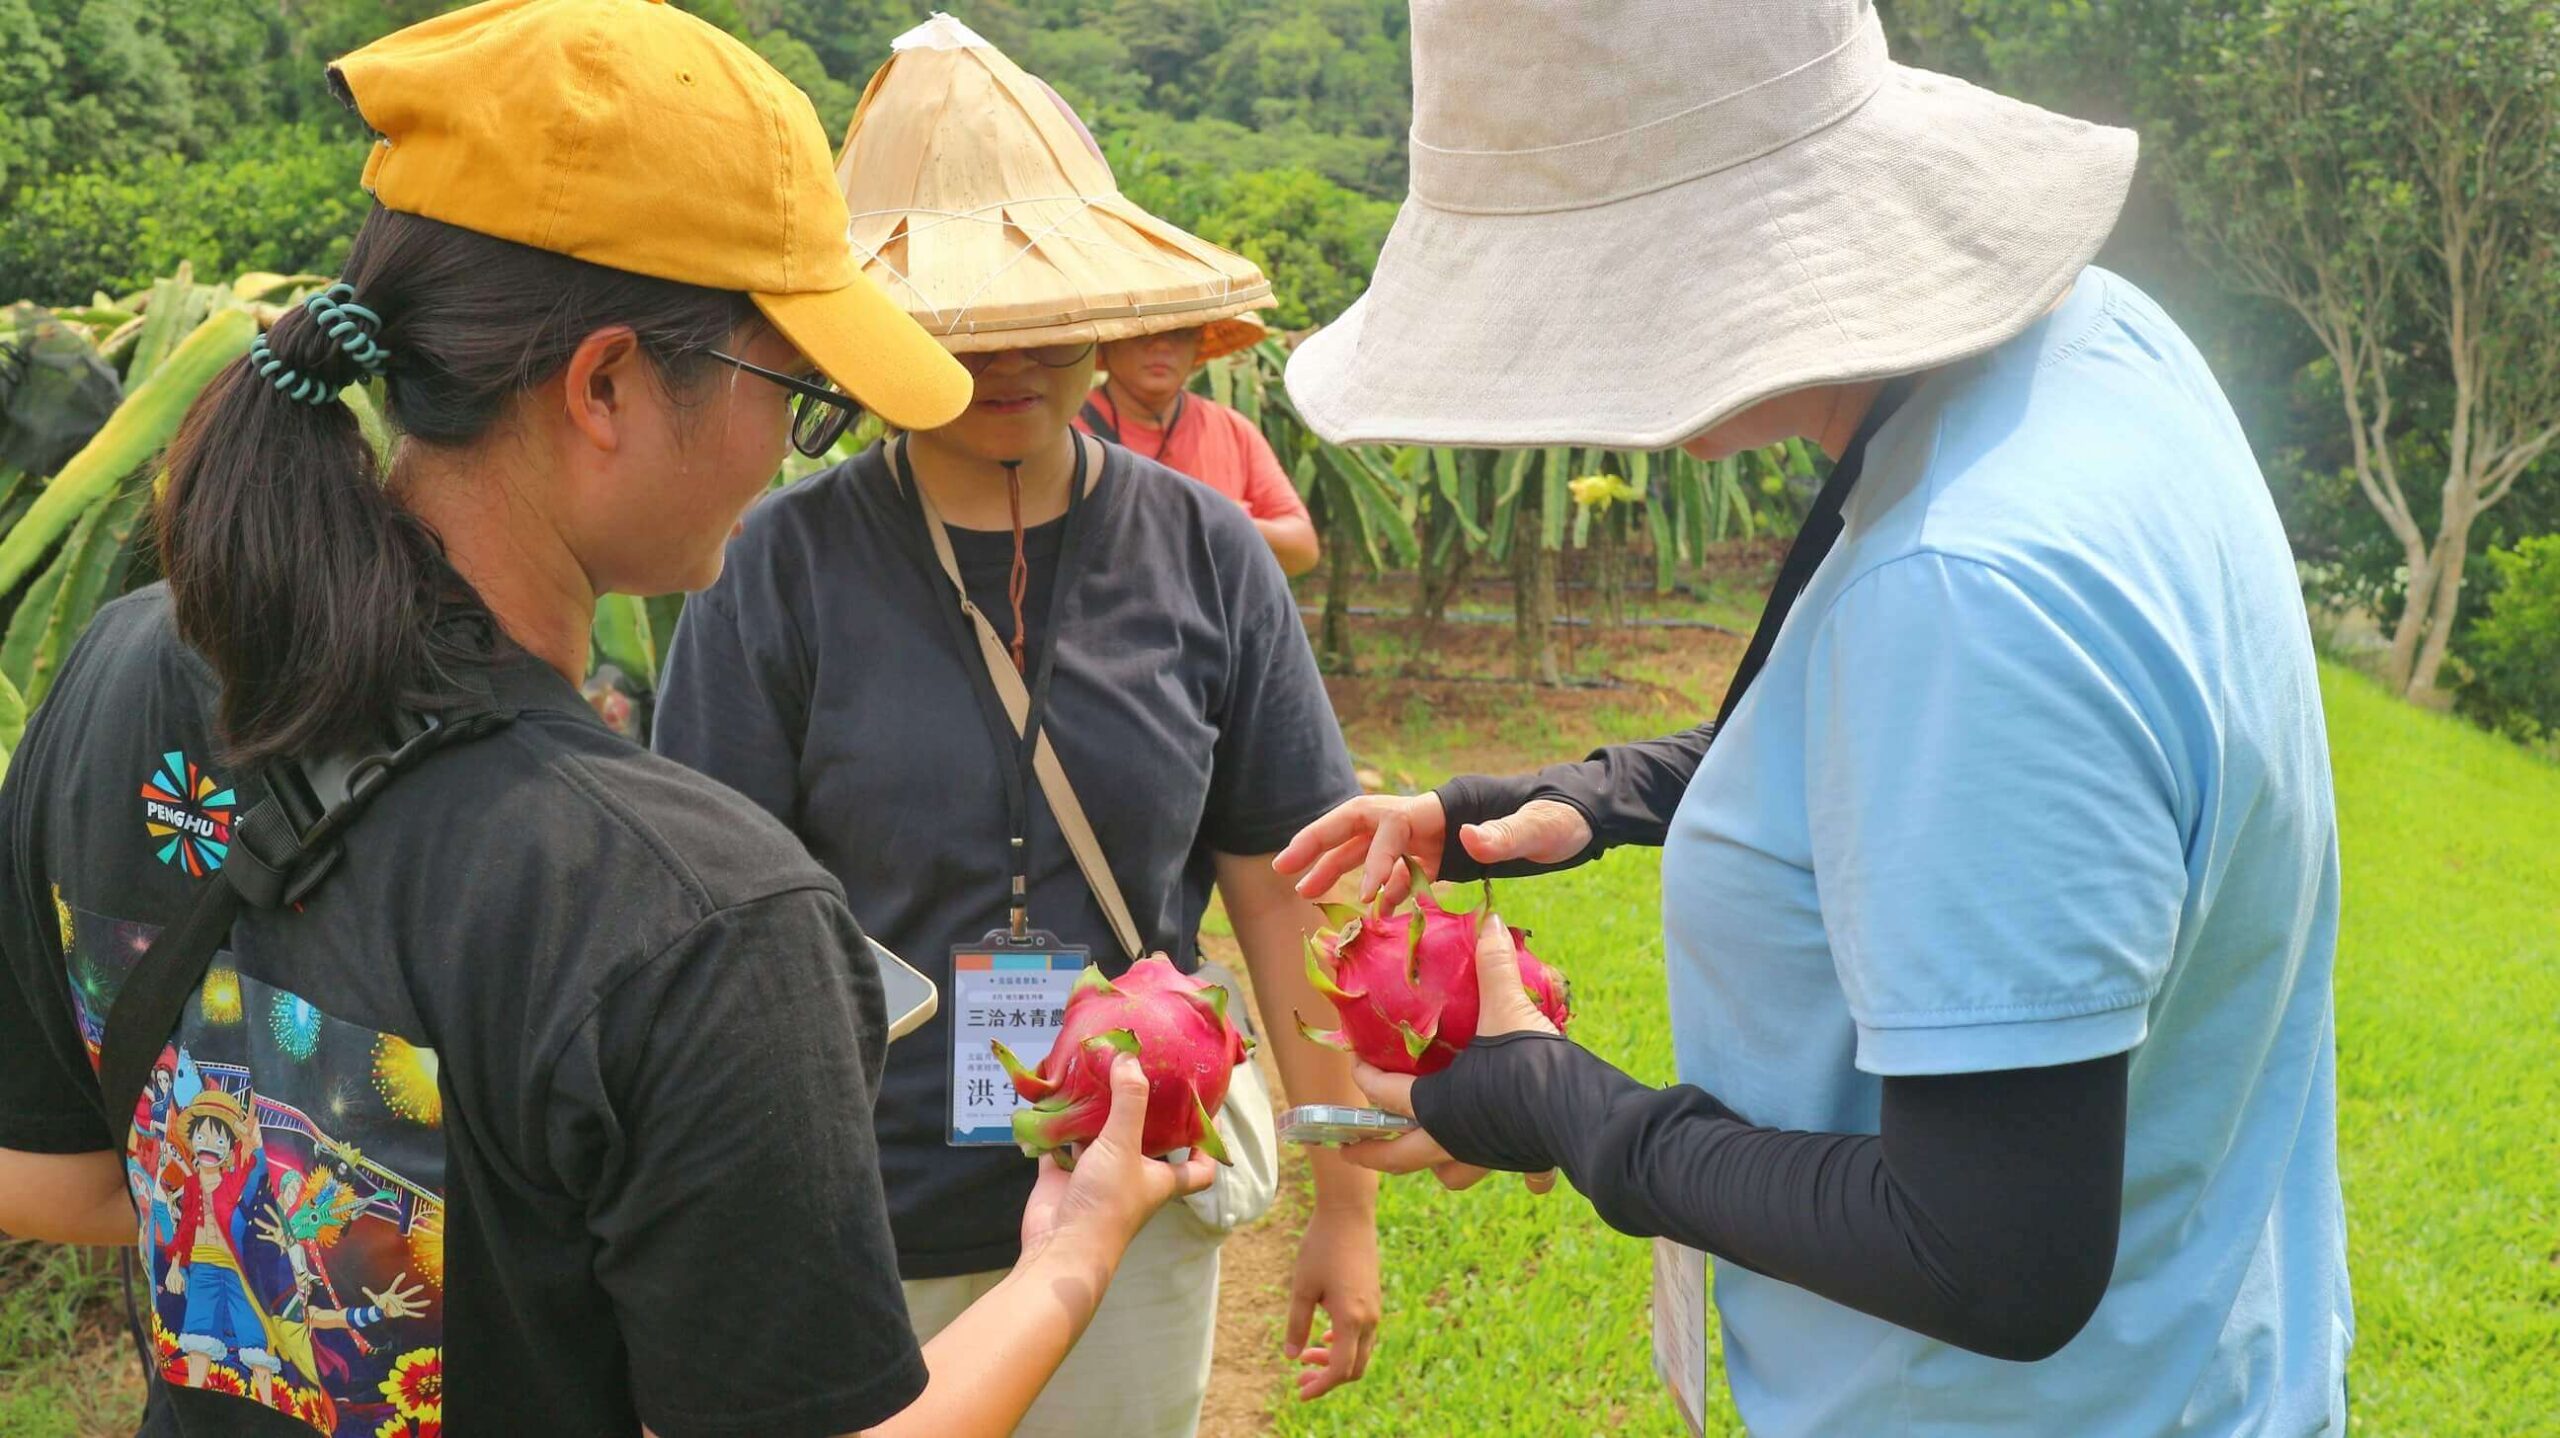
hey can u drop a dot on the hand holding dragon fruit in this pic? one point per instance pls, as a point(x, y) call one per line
point(1404, 982)
point(1177, 1026)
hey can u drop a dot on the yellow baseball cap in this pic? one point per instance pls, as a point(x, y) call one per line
point(630, 134)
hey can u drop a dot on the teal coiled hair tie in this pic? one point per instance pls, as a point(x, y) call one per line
point(336, 313)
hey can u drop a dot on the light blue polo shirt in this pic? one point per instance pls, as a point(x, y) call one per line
point(2036, 774)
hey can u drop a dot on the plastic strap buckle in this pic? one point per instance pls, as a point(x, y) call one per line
point(290, 841)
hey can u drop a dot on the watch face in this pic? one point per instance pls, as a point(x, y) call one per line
point(1334, 1124)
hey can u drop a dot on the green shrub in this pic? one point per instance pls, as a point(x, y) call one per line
point(2512, 652)
point(283, 198)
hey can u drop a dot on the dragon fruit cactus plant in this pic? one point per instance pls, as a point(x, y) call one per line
point(1405, 983)
point(1177, 1025)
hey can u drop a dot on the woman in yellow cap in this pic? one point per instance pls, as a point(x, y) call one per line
point(592, 1040)
point(886, 631)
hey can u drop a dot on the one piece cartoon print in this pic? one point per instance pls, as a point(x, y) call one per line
point(207, 1257)
point(289, 1171)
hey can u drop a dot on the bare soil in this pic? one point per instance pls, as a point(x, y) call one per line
point(1253, 1271)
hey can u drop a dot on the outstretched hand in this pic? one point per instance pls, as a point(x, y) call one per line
point(1376, 832)
point(400, 1299)
point(1503, 1007)
point(1114, 1187)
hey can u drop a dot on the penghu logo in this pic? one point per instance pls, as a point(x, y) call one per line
point(190, 811)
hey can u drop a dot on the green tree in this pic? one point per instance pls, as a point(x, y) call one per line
point(1166, 40)
point(282, 198)
point(88, 82)
point(1090, 67)
point(1336, 65)
point(1315, 239)
point(1319, 238)
point(2512, 683)
point(800, 65)
point(2389, 169)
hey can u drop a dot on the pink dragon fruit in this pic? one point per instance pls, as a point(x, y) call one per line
point(1177, 1025)
point(1405, 983)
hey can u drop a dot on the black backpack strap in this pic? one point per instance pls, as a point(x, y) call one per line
point(155, 995)
point(281, 849)
point(1091, 414)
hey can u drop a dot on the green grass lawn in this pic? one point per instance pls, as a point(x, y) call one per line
point(65, 1372)
point(1511, 1314)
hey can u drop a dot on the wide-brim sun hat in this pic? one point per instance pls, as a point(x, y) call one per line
point(980, 204)
point(1707, 204)
point(632, 135)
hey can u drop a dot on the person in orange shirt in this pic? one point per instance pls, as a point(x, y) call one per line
point(1143, 405)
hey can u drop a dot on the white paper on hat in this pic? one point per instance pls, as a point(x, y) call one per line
point(939, 33)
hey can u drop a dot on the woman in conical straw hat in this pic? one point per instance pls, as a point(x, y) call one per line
point(1145, 404)
point(1145, 635)
point(614, 1032)
point(2000, 903)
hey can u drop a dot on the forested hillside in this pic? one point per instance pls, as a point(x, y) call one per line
point(136, 133)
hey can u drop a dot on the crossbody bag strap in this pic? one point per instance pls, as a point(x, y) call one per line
point(277, 857)
point(1016, 697)
point(1814, 538)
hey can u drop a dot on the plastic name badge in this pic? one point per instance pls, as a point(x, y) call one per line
point(1680, 1328)
point(1018, 996)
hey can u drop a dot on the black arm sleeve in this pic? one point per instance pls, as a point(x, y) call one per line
point(1626, 792)
point(1984, 1215)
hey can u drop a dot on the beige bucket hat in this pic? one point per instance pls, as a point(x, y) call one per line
point(1707, 203)
point(981, 204)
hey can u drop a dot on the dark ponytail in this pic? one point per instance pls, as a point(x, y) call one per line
point(324, 605)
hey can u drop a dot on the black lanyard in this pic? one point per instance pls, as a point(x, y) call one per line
point(1164, 436)
point(1109, 428)
point(1821, 529)
point(1043, 664)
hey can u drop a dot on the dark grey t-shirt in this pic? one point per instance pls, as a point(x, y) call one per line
point(820, 678)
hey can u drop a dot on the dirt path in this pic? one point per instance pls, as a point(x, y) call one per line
point(1253, 1302)
point(1249, 1370)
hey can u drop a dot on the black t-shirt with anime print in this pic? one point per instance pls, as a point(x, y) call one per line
point(549, 1111)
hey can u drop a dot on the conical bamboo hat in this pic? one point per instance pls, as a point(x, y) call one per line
point(979, 204)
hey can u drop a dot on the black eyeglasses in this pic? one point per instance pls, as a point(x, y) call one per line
point(821, 417)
